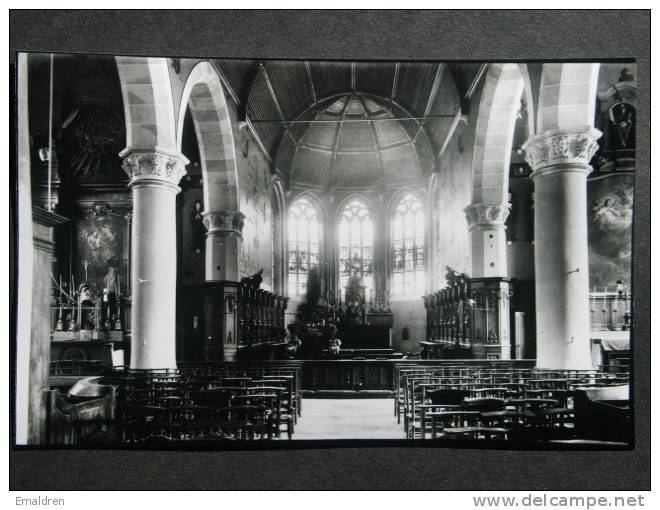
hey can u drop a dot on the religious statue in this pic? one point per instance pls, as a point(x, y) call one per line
point(197, 228)
point(335, 347)
point(622, 117)
point(255, 280)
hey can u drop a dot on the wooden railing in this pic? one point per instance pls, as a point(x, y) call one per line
point(375, 375)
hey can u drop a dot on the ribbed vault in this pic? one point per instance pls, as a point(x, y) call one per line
point(352, 141)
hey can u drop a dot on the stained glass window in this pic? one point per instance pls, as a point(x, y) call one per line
point(356, 245)
point(304, 234)
point(408, 272)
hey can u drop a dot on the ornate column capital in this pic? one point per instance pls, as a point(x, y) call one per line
point(573, 146)
point(486, 215)
point(224, 222)
point(153, 164)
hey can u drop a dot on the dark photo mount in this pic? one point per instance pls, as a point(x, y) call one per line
point(89, 170)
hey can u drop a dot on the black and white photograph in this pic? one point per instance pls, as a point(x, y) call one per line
point(244, 250)
point(233, 252)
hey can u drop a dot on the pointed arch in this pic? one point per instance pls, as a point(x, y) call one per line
point(568, 96)
point(313, 198)
point(204, 95)
point(304, 242)
point(408, 232)
point(148, 106)
point(396, 197)
point(354, 195)
point(355, 242)
point(528, 99)
point(498, 110)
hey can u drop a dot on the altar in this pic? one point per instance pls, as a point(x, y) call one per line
point(365, 336)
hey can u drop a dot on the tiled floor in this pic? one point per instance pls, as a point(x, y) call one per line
point(364, 418)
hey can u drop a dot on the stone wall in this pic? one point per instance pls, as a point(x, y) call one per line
point(255, 194)
point(454, 192)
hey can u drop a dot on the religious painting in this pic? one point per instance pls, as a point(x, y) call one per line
point(610, 202)
point(101, 258)
point(192, 235)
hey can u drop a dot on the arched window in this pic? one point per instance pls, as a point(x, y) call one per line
point(304, 232)
point(356, 245)
point(408, 272)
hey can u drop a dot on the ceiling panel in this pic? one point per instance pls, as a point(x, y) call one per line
point(238, 74)
point(356, 136)
point(291, 86)
point(375, 77)
point(400, 164)
point(321, 135)
point(261, 108)
point(390, 133)
point(310, 93)
point(414, 85)
point(330, 77)
point(311, 167)
point(356, 170)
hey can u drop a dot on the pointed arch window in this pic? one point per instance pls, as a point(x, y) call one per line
point(304, 233)
point(408, 268)
point(356, 245)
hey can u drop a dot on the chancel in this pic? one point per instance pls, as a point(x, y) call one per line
point(217, 250)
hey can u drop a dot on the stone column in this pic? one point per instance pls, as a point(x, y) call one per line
point(220, 320)
point(487, 239)
point(154, 175)
point(560, 162)
point(489, 280)
point(224, 238)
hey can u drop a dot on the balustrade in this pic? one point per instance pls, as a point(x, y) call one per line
point(610, 311)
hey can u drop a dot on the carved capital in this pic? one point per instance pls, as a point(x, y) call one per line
point(486, 215)
point(574, 146)
point(153, 165)
point(223, 222)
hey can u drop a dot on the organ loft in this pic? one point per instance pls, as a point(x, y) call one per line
point(246, 250)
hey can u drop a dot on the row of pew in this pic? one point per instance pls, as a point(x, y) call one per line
point(493, 403)
point(208, 401)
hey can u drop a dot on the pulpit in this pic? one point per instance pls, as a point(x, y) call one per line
point(491, 323)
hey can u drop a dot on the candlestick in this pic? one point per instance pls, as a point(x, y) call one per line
point(60, 323)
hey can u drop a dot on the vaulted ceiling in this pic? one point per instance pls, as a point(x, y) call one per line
point(333, 125)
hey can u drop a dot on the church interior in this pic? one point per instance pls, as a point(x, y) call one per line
point(241, 250)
